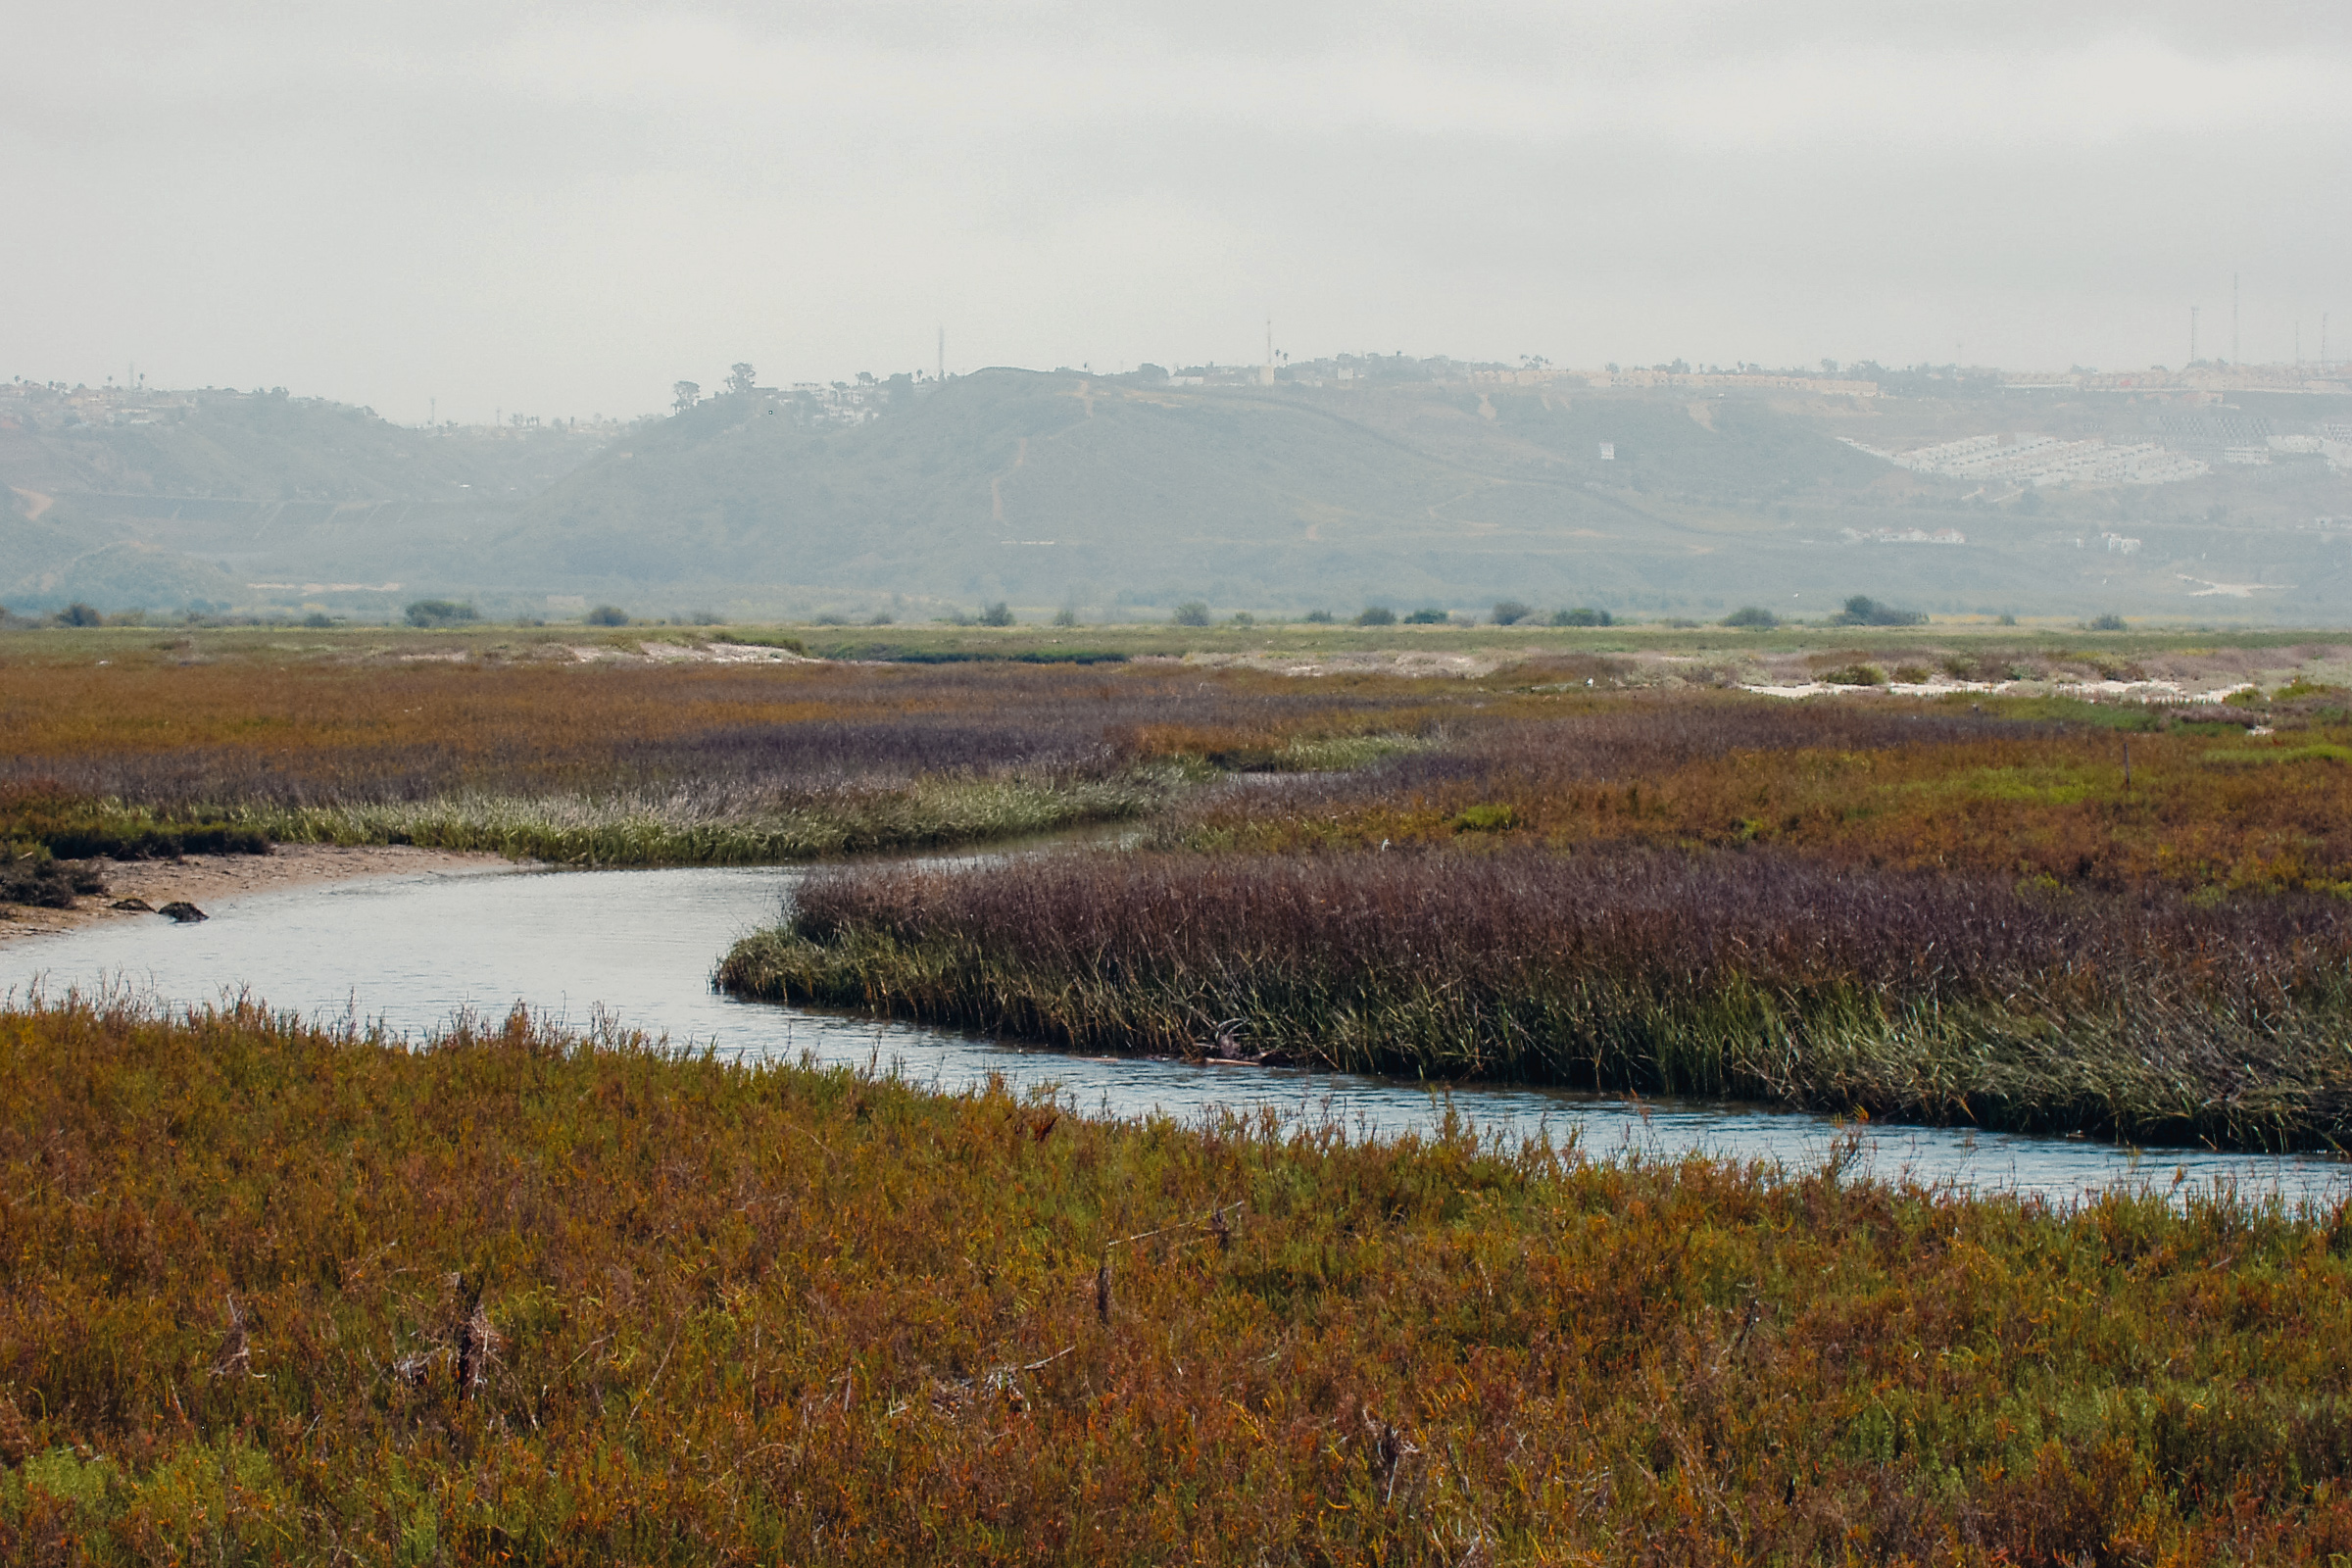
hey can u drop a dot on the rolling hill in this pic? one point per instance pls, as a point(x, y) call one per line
point(1124, 495)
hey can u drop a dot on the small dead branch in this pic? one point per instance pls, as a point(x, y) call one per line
point(1389, 1450)
point(1004, 1381)
point(477, 1349)
point(235, 1359)
point(1214, 1224)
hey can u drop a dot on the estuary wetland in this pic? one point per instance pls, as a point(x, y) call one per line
point(1303, 1097)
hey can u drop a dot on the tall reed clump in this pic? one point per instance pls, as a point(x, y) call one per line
point(272, 1292)
point(1758, 976)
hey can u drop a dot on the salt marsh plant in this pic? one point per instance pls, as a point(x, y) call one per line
point(1759, 976)
point(631, 765)
point(272, 1292)
point(707, 827)
point(2016, 788)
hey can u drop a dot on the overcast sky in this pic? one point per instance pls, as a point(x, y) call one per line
point(562, 208)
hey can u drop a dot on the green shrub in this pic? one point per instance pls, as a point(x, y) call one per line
point(78, 613)
point(1864, 610)
point(1318, 618)
point(450, 612)
point(1376, 616)
point(999, 613)
point(1855, 675)
point(1492, 818)
point(1191, 612)
point(2105, 624)
point(1426, 617)
point(1582, 616)
point(1752, 618)
point(1510, 612)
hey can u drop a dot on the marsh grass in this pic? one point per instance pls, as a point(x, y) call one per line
point(1756, 976)
point(695, 828)
point(74, 828)
point(764, 1313)
point(1927, 786)
point(638, 767)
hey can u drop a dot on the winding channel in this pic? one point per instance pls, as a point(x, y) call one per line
point(637, 948)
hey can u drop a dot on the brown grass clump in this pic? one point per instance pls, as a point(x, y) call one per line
point(672, 1310)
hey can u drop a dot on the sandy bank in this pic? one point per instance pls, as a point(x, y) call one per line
point(206, 880)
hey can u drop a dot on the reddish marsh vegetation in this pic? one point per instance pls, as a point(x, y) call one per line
point(320, 733)
point(268, 1293)
point(1924, 910)
point(679, 763)
point(1874, 781)
point(1760, 975)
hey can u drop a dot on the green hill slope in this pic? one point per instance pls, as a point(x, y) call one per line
point(1036, 487)
point(1046, 488)
point(169, 499)
point(1122, 493)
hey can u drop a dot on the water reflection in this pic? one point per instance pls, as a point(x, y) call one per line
point(638, 946)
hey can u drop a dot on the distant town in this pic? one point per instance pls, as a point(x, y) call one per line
point(49, 407)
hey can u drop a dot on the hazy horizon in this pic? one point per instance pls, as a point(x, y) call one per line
point(561, 213)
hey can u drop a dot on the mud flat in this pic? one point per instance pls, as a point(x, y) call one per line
point(206, 880)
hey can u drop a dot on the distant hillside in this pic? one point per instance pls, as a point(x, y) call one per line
point(1050, 488)
point(167, 499)
point(1119, 495)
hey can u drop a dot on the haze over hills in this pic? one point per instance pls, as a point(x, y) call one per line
point(2206, 495)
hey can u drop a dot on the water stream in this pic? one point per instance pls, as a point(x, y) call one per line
point(638, 946)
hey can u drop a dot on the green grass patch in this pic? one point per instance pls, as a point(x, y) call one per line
point(2069, 710)
point(76, 828)
point(2280, 756)
point(2027, 786)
